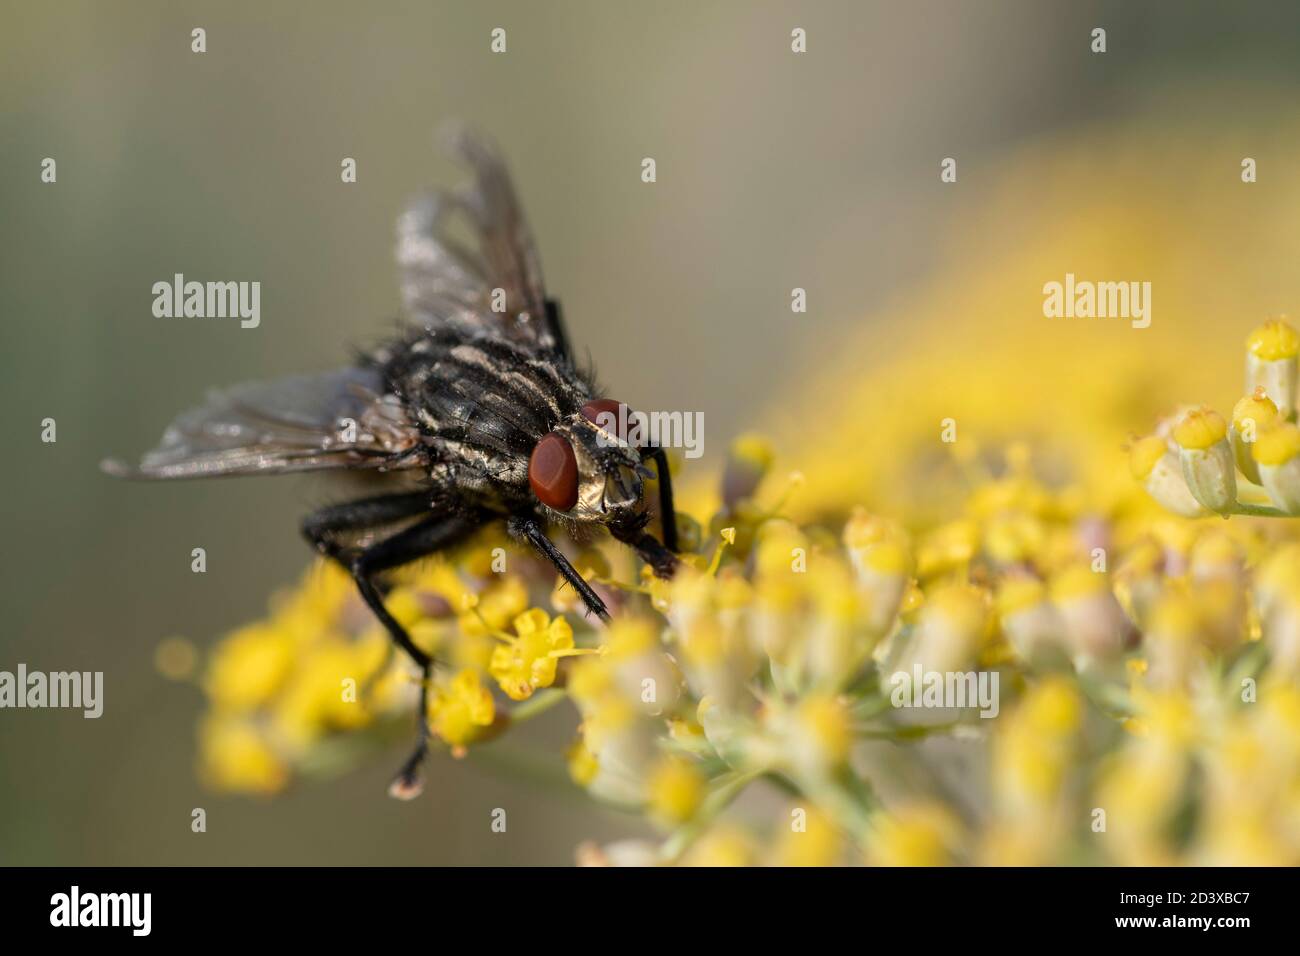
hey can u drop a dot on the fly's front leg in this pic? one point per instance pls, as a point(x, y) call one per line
point(667, 513)
point(528, 528)
point(662, 561)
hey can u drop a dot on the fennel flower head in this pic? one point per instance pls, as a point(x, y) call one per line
point(942, 613)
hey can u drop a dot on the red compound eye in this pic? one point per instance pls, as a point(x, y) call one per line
point(609, 414)
point(553, 472)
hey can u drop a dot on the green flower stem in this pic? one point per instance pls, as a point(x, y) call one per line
point(913, 732)
point(539, 703)
point(521, 764)
point(871, 706)
point(1112, 700)
point(783, 783)
point(1250, 663)
point(1241, 508)
point(847, 798)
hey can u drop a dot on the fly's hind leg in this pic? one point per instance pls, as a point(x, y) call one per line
point(433, 534)
point(326, 528)
point(442, 528)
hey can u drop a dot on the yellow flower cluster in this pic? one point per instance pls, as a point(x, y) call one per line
point(1197, 462)
point(283, 690)
point(278, 688)
point(1132, 676)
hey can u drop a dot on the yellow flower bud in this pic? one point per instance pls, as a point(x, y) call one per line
point(675, 789)
point(460, 708)
point(882, 564)
point(1145, 454)
point(953, 626)
point(811, 736)
point(234, 756)
point(1277, 451)
point(583, 765)
point(1172, 641)
point(1207, 459)
point(1158, 468)
point(725, 844)
point(1095, 626)
point(918, 835)
point(1139, 580)
point(1251, 416)
point(248, 667)
point(1199, 429)
point(1028, 618)
point(1278, 589)
point(810, 838)
point(826, 728)
point(1271, 363)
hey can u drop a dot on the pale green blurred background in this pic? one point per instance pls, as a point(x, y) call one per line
point(775, 171)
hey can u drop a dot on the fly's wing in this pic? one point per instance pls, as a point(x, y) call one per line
point(446, 281)
point(339, 419)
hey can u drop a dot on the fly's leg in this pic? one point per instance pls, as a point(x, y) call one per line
point(429, 536)
point(528, 528)
point(324, 528)
point(662, 561)
point(440, 530)
point(667, 513)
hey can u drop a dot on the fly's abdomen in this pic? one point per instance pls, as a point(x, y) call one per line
point(482, 403)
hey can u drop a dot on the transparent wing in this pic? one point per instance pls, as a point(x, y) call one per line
point(445, 280)
point(339, 419)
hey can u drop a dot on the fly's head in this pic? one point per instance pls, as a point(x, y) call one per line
point(585, 471)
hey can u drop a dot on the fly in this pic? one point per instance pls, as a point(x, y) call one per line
point(475, 412)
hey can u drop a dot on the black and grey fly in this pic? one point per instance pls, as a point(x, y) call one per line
point(475, 412)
